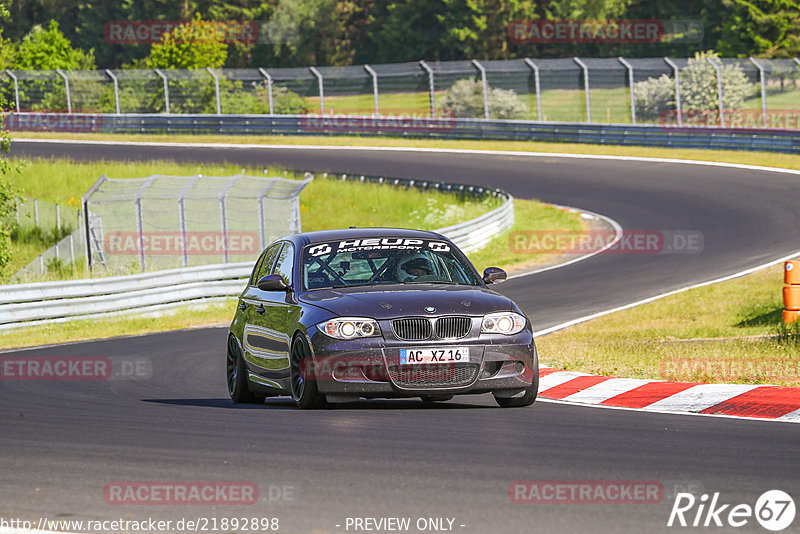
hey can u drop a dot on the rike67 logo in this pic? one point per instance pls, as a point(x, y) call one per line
point(774, 510)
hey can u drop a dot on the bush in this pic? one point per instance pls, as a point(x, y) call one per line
point(699, 93)
point(654, 96)
point(465, 100)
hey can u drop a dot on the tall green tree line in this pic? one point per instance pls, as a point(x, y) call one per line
point(341, 32)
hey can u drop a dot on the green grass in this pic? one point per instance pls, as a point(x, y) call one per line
point(729, 332)
point(528, 217)
point(608, 105)
point(324, 204)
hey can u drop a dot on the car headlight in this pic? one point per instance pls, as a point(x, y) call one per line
point(508, 323)
point(350, 328)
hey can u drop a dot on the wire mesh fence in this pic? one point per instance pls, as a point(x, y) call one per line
point(164, 222)
point(31, 213)
point(708, 91)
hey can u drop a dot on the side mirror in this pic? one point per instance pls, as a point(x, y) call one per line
point(272, 282)
point(494, 275)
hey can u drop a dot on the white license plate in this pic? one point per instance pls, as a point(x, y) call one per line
point(443, 355)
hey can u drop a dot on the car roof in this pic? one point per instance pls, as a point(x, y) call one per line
point(320, 236)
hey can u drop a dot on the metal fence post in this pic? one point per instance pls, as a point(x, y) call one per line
point(763, 78)
point(267, 77)
point(223, 195)
point(429, 70)
point(586, 87)
point(485, 85)
point(116, 89)
point(374, 75)
point(720, 103)
point(140, 230)
point(630, 83)
point(66, 86)
point(16, 88)
point(318, 74)
point(535, 69)
point(36, 211)
point(58, 218)
point(182, 216)
point(166, 91)
point(677, 72)
point(216, 88)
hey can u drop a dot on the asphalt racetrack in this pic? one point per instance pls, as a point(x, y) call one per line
point(63, 442)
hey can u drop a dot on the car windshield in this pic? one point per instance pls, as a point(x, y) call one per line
point(389, 260)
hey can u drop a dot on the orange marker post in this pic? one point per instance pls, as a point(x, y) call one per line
point(791, 291)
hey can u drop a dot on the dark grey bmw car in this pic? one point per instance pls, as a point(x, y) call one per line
point(377, 312)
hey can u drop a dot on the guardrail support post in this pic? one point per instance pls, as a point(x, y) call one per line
point(763, 78)
point(535, 69)
point(318, 74)
point(677, 73)
point(58, 218)
point(630, 83)
point(116, 89)
point(66, 86)
point(374, 75)
point(485, 85)
point(16, 88)
point(585, 69)
point(166, 90)
point(429, 70)
point(36, 211)
point(267, 77)
point(216, 89)
point(720, 102)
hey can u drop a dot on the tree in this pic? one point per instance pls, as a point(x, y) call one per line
point(194, 45)
point(766, 28)
point(49, 49)
point(8, 195)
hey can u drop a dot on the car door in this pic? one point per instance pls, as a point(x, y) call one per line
point(260, 348)
point(270, 320)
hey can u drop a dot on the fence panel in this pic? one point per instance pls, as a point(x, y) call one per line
point(551, 90)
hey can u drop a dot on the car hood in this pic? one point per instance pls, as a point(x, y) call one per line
point(388, 302)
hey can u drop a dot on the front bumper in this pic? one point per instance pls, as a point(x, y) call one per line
point(371, 367)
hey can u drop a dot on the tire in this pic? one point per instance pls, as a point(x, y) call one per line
point(427, 399)
point(237, 376)
point(527, 398)
point(304, 389)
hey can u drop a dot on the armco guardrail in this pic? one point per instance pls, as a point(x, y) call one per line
point(47, 302)
point(772, 140)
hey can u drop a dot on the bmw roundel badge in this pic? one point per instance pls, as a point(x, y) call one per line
point(430, 309)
